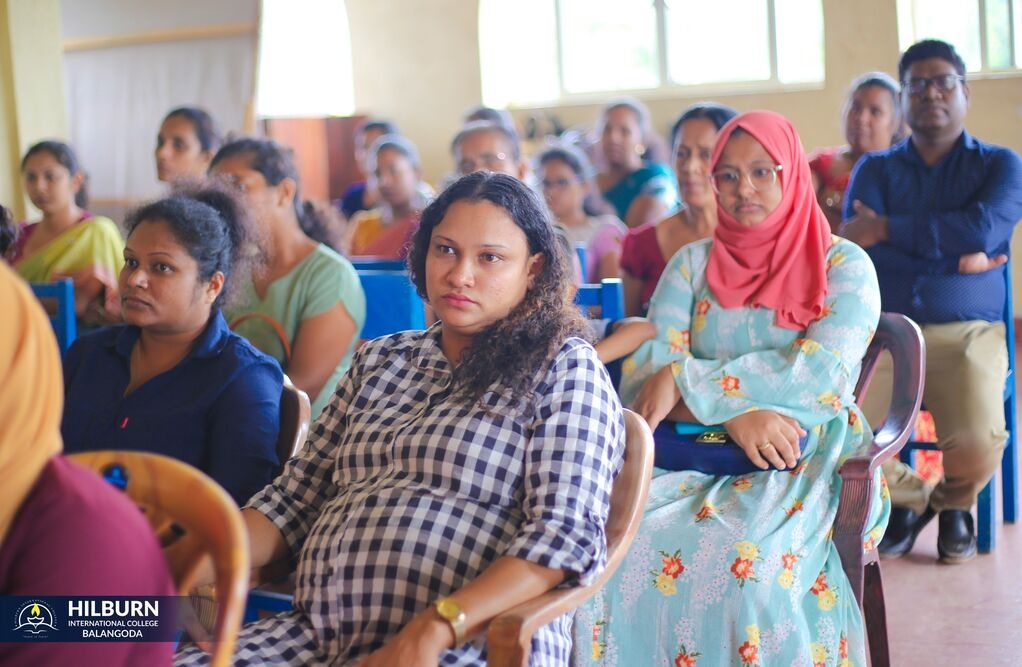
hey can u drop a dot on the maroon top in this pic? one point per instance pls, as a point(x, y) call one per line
point(821, 163)
point(77, 535)
point(641, 259)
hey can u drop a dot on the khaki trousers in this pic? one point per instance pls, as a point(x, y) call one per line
point(966, 367)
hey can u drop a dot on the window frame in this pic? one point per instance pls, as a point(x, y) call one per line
point(984, 72)
point(667, 88)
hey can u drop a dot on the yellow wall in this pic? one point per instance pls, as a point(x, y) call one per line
point(416, 62)
point(31, 87)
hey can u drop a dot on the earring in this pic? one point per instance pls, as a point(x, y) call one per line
point(639, 149)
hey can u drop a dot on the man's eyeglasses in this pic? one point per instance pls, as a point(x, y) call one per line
point(485, 162)
point(727, 181)
point(945, 83)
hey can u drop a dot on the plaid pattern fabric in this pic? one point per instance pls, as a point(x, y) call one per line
point(403, 495)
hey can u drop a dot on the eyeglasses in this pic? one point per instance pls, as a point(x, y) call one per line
point(727, 181)
point(556, 183)
point(945, 83)
point(485, 162)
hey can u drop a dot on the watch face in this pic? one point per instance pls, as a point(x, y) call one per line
point(448, 608)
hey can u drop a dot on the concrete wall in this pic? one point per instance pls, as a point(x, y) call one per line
point(417, 62)
point(31, 88)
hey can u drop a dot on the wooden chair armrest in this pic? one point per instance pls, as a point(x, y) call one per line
point(509, 635)
point(513, 630)
point(857, 471)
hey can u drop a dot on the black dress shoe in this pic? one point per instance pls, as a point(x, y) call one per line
point(956, 536)
point(902, 530)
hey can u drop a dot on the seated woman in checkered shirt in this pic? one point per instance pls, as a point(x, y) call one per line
point(457, 471)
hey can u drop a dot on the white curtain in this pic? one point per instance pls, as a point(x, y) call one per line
point(118, 95)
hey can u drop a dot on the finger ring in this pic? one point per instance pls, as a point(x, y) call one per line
point(765, 445)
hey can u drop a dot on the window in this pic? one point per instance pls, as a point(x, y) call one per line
point(577, 48)
point(289, 41)
point(986, 33)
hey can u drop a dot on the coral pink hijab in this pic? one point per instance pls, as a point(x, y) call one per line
point(781, 262)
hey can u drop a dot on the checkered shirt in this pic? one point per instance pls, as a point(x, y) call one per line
point(403, 495)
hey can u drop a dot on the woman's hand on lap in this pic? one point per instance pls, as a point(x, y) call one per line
point(767, 438)
point(658, 396)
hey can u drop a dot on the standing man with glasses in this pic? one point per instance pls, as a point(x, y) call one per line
point(936, 213)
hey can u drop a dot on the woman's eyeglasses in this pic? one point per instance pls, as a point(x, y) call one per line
point(727, 181)
point(555, 183)
point(945, 83)
point(486, 162)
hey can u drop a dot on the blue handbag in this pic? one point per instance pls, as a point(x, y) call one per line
point(706, 449)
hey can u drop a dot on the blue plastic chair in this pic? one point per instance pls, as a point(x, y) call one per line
point(608, 294)
point(392, 304)
point(62, 292)
point(986, 512)
point(368, 263)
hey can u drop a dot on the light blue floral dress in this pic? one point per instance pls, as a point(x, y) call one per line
point(742, 570)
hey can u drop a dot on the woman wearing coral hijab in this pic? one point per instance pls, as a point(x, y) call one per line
point(63, 530)
point(760, 329)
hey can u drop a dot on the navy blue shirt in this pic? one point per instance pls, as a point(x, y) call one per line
point(968, 202)
point(217, 410)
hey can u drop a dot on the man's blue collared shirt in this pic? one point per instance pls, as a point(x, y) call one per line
point(966, 203)
point(218, 409)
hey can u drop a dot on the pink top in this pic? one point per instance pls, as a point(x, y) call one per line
point(641, 259)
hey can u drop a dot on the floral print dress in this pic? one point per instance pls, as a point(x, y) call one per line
point(742, 570)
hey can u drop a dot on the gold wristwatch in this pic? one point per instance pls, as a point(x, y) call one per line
point(451, 611)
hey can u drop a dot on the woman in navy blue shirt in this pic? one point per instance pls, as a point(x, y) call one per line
point(174, 379)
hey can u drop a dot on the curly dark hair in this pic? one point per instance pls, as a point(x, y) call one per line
point(510, 352)
point(212, 224)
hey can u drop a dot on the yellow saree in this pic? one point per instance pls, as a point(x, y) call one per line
point(90, 252)
point(93, 242)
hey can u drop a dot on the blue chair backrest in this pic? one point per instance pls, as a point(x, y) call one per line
point(1009, 332)
point(62, 292)
point(580, 252)
point(367, 263)
point(608, 294)
point(392, 304)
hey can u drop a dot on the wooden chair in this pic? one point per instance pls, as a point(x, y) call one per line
point(392, 303)
point(61, 295)
point(295, 415)
point(194, 516)
point(903, 339)
point(509, 635)
point(608, 294)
